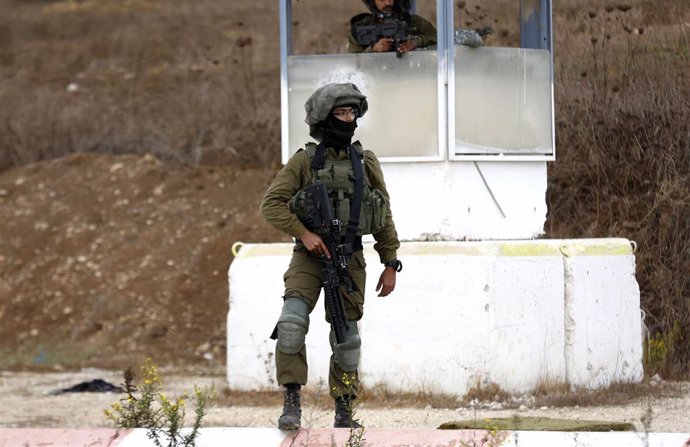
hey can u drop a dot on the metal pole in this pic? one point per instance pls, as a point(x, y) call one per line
point(285, 50)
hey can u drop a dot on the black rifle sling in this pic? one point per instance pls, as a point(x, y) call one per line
point(319, 158)
point(318, 162)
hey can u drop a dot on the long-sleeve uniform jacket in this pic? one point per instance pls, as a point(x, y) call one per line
point(297, 173)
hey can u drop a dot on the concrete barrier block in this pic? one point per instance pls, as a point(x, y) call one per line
point(514, 313)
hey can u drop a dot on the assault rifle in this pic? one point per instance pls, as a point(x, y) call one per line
point(367, 35)
point(334, 273)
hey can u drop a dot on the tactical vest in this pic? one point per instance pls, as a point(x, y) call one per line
point(338, 176)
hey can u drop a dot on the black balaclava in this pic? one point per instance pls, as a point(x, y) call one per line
point(338, 133)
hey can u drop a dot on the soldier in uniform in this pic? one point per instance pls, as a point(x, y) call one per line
point(332, 112)
point(422, 32)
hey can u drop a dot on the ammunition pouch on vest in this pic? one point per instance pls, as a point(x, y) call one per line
point(338, 177)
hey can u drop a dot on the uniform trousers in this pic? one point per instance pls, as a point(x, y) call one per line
point(303, 281)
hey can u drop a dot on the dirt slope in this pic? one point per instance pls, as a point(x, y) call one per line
point(107, 259)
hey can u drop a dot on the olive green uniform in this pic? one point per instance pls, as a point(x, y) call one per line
point(302, 278)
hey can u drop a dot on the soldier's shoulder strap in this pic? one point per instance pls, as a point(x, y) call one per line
point(311, 149)
point(358, 147)
point(317, 155)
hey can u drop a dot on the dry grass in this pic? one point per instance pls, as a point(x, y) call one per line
point(198, 82)
point(180, 80)
point(619, 393)
point(552, 395)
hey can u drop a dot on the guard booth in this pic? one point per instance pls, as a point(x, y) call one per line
point(464, 135)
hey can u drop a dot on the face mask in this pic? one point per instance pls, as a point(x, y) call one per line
point(338, 133)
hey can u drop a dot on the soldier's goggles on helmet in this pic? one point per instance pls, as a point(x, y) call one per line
point(345, 112)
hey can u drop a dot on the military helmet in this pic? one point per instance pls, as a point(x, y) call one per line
point(327, 98)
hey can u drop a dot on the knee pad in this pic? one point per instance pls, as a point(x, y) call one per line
point(292, 326)
point(346, 354)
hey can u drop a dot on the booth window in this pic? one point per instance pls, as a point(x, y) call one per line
point(404, 93)
point(501, 98)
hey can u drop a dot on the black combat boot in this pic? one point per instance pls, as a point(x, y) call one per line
point(343, 413)
point(292, 411)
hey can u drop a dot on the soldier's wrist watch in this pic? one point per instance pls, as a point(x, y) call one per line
point(395, 264)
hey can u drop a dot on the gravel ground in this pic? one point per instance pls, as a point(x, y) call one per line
point(25, 401)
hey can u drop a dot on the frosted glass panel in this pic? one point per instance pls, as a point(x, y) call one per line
point(402, 120)
point(503, 101)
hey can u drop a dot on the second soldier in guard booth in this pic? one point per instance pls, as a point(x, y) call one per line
point(391, 18)
point(354, 191)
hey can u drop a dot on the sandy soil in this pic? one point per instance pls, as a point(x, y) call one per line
point(26, 401)
point(106, 260)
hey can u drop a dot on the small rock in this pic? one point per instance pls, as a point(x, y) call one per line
point(148, 159)
point(655, 380)
point(72, 87)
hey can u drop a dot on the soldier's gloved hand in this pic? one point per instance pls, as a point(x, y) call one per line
point(384, 44)
point(313, 243)
point(386, 281)
point(407, 46)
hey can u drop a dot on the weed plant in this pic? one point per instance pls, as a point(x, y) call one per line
point(352, 388)
point(148, 407)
